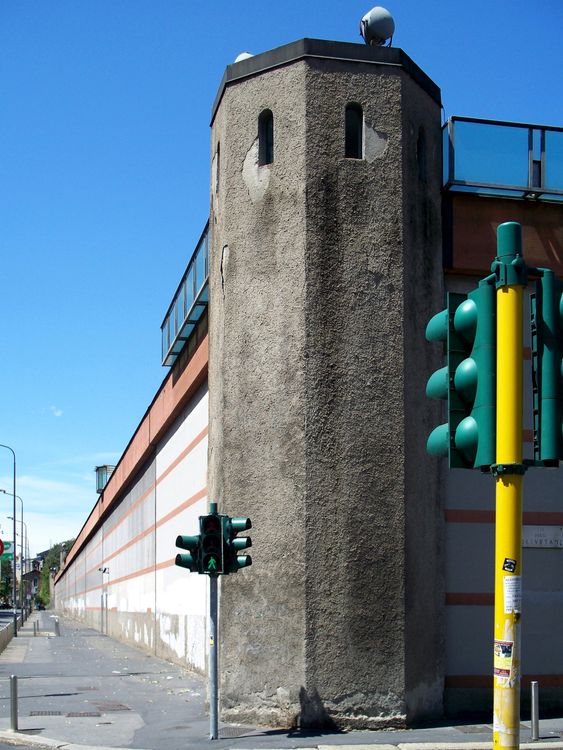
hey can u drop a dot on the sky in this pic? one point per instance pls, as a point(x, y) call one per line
point(104, 191)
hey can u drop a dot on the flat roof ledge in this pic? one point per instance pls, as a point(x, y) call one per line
point(328, 50)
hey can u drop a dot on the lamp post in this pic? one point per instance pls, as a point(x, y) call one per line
point(14, 590)
point(22, 558)
point(21, 520)
point(22, 524)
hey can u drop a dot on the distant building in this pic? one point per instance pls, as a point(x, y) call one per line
point(341, 211)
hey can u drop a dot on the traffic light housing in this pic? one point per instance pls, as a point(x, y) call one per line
point(192, 559)
point(547, 360)
point(233, 544)
point(211, 531)
point(468, 381)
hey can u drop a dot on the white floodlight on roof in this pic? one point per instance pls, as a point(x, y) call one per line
point(377, 26)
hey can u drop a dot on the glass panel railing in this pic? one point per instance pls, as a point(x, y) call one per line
point(492, 154)
point(188, 304)
point(200, 268)
point(554, 160)
point(503, 158)
point(190, 287)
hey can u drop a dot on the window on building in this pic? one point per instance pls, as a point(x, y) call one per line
point(354, 132)
point(265, 138)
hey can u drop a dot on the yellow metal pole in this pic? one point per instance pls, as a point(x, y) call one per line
point(508, 546)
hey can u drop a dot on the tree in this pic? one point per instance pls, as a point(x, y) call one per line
point(52, 560)
point(5, 581)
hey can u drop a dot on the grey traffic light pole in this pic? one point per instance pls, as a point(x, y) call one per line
point(213, 646)
point(213, 671)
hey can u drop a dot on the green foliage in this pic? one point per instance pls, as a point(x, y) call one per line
point(5, 581)
point(52, 560)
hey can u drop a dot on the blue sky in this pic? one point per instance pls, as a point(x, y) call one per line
point(104, 191)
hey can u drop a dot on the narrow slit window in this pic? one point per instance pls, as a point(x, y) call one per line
point(217, 167)
point(354, 132)
point(265, 138)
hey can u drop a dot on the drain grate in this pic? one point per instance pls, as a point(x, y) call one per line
point(475, 729)
point(107, 706)
point(45, 713)
point(230, 732)
point(82, 714)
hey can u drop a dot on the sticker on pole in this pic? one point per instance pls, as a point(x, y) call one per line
point(512, 594)
point(509, 564)
point(502, 664)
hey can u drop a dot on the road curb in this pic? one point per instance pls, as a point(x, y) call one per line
point(21, 738)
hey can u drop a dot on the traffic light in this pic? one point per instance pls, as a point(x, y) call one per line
point(468, 381)
point(547, 360)
point(192, 560)
point(232, 544)
point(211, 529)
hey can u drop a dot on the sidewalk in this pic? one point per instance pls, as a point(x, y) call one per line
point(85, 689)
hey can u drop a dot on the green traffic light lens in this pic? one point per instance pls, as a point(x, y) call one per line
point(437, 328)
point(465, 379)
point(438, 384)
point(438, 441)
point(465, 320)
point(467, 438)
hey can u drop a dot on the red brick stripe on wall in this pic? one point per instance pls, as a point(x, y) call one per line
point(486, 681)
point(471, 599)
point(531, 518)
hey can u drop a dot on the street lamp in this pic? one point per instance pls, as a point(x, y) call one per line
point(22, 567)
point(14, 590)
point(22, 524)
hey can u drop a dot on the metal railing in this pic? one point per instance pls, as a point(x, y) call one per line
point(188, 304)
point(510, 159)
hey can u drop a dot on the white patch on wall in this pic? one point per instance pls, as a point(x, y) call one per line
point(196, 642)
point(375, 143)
point(173, 633)
point(256, 178)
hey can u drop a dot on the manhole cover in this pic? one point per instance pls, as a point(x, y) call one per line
point(226, 732)
point(81, 714)
point(45, 713)
point(111, 706)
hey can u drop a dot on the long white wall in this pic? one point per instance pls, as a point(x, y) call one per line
point(145, 598)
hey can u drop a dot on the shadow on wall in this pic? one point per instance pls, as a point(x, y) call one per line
point(313, 713)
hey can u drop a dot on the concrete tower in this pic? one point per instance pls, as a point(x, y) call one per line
point(325, 263)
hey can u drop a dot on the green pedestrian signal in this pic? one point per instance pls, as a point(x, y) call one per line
point(190, 560)
point(547, 361)
point(233, 544)
point(211, 529)
point(467, 327)
point(215, 550)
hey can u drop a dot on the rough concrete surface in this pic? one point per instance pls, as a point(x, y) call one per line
point(320, 268)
